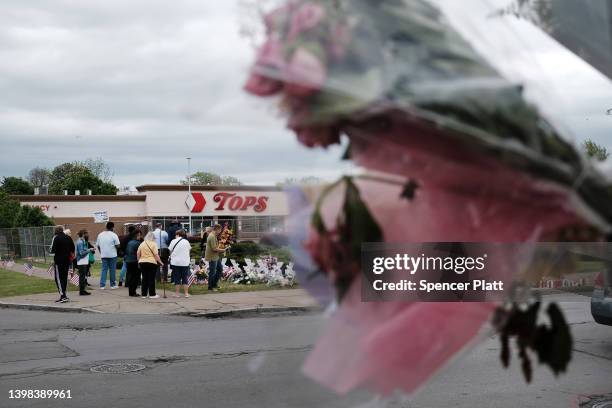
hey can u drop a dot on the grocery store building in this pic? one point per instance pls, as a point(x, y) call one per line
point(250, 210)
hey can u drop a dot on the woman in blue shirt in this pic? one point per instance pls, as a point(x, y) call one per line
point(82, 260)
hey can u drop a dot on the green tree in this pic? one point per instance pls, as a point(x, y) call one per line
point(204, 178)
point(16, 185)
point(596, 151)
point(38, 177)
point(76, 176)
point(32, 217)
point(9, 209)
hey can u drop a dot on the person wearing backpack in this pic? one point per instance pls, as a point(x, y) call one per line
point(180, 259)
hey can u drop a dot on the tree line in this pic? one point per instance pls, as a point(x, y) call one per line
point(91, 174)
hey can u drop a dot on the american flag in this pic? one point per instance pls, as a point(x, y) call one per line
point(29, 268)
point(191, 279)
point(74, 279)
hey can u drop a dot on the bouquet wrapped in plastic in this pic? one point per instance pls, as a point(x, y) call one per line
point(460, 155)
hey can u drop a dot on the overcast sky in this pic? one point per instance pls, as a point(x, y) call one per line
point(146, 83)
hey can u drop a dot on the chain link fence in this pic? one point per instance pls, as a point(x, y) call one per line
point(35, 242)
point(30, 242)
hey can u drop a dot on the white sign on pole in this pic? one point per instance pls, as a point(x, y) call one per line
point(101, 217)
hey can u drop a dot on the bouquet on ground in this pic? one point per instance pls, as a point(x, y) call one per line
point(201, 275)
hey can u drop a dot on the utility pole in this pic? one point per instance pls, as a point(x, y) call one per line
point(189, 184)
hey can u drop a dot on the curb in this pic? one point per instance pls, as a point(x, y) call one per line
point(47, 308)
point(251, 312)
point(217, 314)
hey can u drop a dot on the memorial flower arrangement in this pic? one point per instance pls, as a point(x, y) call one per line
point(457, 154)
point(226, 238)
point(201, 273)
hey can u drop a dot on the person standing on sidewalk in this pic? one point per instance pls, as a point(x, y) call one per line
point(108, 243)
point(211, 254)
point(92, 260)
point(62, 249)
point(204, 237)
point(123, 241)
point(180, 258)
point(161, 240)
point(148, 261)
point(130, 259)
point(82, 260)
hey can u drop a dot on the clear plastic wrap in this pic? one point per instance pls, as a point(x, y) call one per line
point(465, 156)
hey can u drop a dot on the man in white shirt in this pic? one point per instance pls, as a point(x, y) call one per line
point(161, 239)
point(108, 243)
point(180, 259)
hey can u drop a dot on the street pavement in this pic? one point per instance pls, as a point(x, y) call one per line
point(255, 362)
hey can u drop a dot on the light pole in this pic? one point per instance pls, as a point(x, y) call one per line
point(189, 184)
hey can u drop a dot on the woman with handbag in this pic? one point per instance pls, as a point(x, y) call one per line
point(149, 262)
point(180, 258)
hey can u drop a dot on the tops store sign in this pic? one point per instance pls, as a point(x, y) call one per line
point(225, 201)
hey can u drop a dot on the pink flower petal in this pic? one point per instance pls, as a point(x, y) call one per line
point(305, 74)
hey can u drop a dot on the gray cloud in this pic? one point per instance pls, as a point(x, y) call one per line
point(146, 83)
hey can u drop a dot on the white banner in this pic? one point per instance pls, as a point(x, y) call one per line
point(100, 217)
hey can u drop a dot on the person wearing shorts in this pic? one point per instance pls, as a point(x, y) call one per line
point(180, 258)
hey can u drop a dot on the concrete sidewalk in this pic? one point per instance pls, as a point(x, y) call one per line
point(206, 305)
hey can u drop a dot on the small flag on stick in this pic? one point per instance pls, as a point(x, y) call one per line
point(191, 279)
point(74, 279)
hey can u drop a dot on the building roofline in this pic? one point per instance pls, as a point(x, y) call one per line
point(41, 198)
point(180, 187)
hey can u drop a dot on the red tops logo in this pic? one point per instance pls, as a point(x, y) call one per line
point(231, 201)
point(235, 202)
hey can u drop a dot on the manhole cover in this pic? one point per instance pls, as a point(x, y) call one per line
point(118, 368)
point(598, 401)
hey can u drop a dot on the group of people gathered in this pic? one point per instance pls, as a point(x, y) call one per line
point(147, 257)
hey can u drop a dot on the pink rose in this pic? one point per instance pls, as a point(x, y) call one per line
point(269, 64)
point(305, 73)
point(305, 18)
point(270, 54)
point(262, 86)
point(318, 136)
